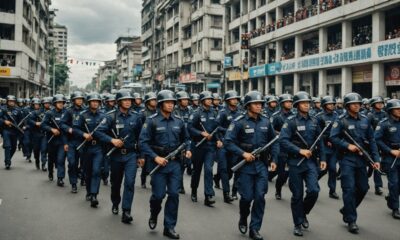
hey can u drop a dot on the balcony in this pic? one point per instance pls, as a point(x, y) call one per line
point(187, 60)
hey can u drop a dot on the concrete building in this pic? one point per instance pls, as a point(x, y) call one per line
point(108, 70)
point(24, 27)
point(129, 55)
point(58, 36)
point(323, 47)
point(183, 44)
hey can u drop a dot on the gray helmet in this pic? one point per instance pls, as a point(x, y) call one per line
point(327, 100)
point(93, 97)
point(232, 94)
point(110, 97)
point(11, 98)
point(35, 101)
point(285, 98)
point(165, 95)
point(194, 96)
point(27, 100)
point(58, 98)
point(149, 96)
point(47, 100)
point(365, 101)
point(216, 96)
point(316, 99)
point(76, 95)
point(124, 94)
point(301, 97)
point(137, 96)
point(19, 100)
point(392, 104)
point(352, 98)
point(182, 95)
point(272, 99)
point(206, 95)
point(253, 97)
point(377, 99)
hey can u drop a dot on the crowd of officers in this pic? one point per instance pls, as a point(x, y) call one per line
point(253, 139)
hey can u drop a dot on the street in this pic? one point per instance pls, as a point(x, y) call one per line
point(32, 207)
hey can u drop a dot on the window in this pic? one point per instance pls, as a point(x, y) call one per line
point(216, 44)
point(200, 23)
point(199, 46)
point(7, 31)
point(216, 21)
point(215, 66)
point(215, 1)
point(7, 59)
point(200, 3)
point(200, 66)
point(7, 6)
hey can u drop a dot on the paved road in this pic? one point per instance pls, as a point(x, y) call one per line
point(31, 207)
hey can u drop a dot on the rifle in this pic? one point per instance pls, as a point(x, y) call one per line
point(169, 157)
point(91, 133)
point(58, 128)
point(255, 152)
point(115, 148)
point(14, 123)
point(394, 162)
point(363, 152)
point(314, 145)
point(204, 138)
point(23, 120)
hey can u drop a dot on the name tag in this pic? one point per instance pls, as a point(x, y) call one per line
point(57, 119)
point(160, 128)
point(264, 128)
point(392, 129)
point(351, 127)
point(203, 119)
point(249, 130)
point(301, 128)
point(229, 117)
point(119, 126)
point(211, 118)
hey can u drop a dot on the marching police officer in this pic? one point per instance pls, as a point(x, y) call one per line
point(271, 105)
point(109, 105)
point(150, 108)
point(46, 102)
point(354, 179)
point(217, 102)
point(325, 118)
point(10, 116)
point(162, 133)
point(245, 134)
point(137, 103)
point(201, 124)
point(125, 126)
point(297, 135)
point(26, 138)
point(55, 139)
point(375, 115)
point(387, 137)
point(67, 122)
point(194, 100)
point(339, 106)
point(277, 121)
point(34, 121)
point(87, 126)
point(316, 106)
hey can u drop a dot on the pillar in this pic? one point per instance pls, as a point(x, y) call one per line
point(346, 34)
point(378, 82)
point(278, 85)
point(322, 83)
point(347, 80)
point(323, 40)
point(296, 82)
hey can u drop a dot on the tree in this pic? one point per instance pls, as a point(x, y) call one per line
point(61, 73)
point(106, 84)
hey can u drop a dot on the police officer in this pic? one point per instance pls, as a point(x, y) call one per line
point(201, 124)
point(246, 133)
point(387, 137)
point(183, 110)
point(354, 179)
point(55, 139)
point(137, 103)
point(109, 106)
point(109, 103)
point(46, 102)
point(217, 102)
point(316, 106)
point(325, 118)
point(34, 121)
point(84, 127)
point(162, 133)
point(298, 134)
point(277, 121)
point(150, 103)
point(9, 119)
point(126, 125)
point(20, 107)
point(339, 106)
point(375, 115)
point(194, 100)
point(271, 105)
point(26, 138)
point(366, 107)
point(227, 159)
point(67, 121)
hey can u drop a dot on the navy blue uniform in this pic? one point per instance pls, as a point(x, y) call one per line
point(354, 179)
point(10, 134)
point(244, 135)
point(159, 137)
point(291, 143)
point(145, 113)
point(105, 169)
point(387, 137)
point(39, 140)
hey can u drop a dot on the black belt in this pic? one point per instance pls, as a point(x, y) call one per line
point(124, 151)
point(93, 142)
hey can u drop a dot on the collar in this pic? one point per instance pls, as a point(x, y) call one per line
point(300, 117)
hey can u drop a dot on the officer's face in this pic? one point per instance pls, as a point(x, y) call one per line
point(317, 105)
point(36, 106)
point(255, 107)
point(184, 102)
point(195, 102)
point(304, 107)
point(11, 103)
point(233, 102)
point(273, 104)
point(152, 103)
point(216, 102)
point(138, 101)
point(396, 112)
point(78, 102)
point(287, 105)
point(354, 107)
point(339, 105)
point(46, 105)
point(207, 102)
point(330, 106)
point(59, 105)
point(126, 103)
point(168, 106)
point(378, 106)
point(111, 103)
point(94, 104)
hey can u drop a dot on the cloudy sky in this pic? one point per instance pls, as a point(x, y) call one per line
point(93, 26)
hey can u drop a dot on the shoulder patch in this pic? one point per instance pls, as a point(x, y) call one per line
point(231, 127)
point(335, 124)
point(239, 117)
point(153, 116)
point(285, 125)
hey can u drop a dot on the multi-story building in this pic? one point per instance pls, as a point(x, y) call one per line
point(320, 46)
point(58, 38)
point(24, 29)
point(108, 70)
point(129, 53)
point(183, 44)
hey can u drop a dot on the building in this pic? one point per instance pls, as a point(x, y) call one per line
point(58, 38)
point(24, 27)
point(323, 47)
point(129, 54)
point(183, 44)
point(108, 70)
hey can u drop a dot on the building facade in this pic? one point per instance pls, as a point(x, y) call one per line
point(58, 38)
point(320, 46)
point(24, 27)
point(128, 57)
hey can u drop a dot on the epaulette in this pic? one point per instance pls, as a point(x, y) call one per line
point(109, 112)
point(239, 117)
point(362, 115)
point(291, 117)
point(384, 120)
point(275, 113)
point(177, 116)
point(154, 115)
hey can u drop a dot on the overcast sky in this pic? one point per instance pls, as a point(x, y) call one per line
point(93, 27)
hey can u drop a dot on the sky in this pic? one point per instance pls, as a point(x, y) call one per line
point(93, 27)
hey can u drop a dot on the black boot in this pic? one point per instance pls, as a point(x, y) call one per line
point(378, 191)
point(216, 181)
point(152, 221)
point(194, 195)
point(44, 169)
point(242, 225)
point(209, 201)
point(37, 163)
point(114, 209)
point(93, 201)
point(254, 234)
point(126, 216)
point(51, 176)
point(227, 198)
point(170, 233)
point(74, 188)
point(278, 195)
point(352, 227)
point(297, 231)
point(396, 214)
point(60, 182)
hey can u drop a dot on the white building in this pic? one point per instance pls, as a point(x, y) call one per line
point(23, 47)
point(59, 37)
point(324, 47)
point(128, 57)
point(108, 70)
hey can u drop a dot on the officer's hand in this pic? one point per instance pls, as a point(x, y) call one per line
point(65, 148)
point(219, 144)
point(377, 166)
point(395, 153)
point(188, 154)
point(140, 162)
point(87, 137)
point(8, 123)
point(273, 167)
point(353, 148)
point(38, 124)
point(248, 157)
point(117, 142)
point(205, 134)
point(322, 165)
point(70, 131)
point(161, 161)
point(329, 144)
point(305, 153)
point(55, 132)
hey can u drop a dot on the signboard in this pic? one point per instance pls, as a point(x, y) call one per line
point(235, 75)
point(4, 71)
point(213, 85)
point(362, 74)
point(258, 71)
point(392, 75)
point(227, 62)
point(187, 78)
point(137, 70)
